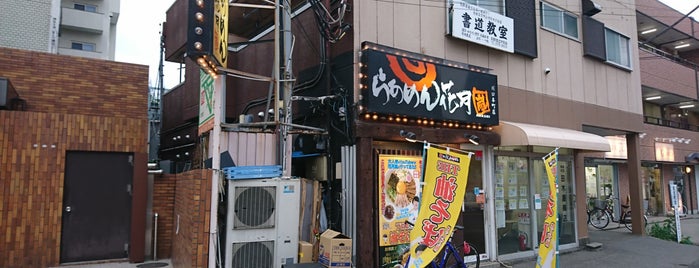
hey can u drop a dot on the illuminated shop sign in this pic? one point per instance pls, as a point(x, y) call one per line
point(664, 152)
point(481, 26)
point(410, 88)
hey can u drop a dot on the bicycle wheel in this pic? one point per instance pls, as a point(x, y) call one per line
point(598, 218)
point(627, 221)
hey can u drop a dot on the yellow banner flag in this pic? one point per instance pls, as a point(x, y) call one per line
point(548, 246)
point(446, 174)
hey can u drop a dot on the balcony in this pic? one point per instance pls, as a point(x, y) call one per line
point(84, 21)
point(670, 123)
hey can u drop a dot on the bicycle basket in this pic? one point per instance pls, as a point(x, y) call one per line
point(599, 203)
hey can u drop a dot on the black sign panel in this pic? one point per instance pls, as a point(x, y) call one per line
point(399, 85)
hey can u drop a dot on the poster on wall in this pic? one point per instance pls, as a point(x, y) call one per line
point(399, 195)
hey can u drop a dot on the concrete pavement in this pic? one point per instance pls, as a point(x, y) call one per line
point(622, 249)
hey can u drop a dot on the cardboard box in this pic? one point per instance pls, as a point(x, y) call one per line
point(305, 252)
point(335, 249)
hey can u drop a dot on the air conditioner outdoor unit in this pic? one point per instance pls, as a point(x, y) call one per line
point(262, 223)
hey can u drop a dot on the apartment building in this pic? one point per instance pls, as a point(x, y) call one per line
point(77, 28)
point(668, 58)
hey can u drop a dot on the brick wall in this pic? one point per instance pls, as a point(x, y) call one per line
point(100, 106)
point(190, 245)
point(164, 205)
point(73, 85)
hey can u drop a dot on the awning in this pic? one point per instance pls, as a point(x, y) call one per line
point(512, 134)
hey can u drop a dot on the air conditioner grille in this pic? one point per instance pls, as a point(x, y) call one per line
point(253, 254)
point(254, 207)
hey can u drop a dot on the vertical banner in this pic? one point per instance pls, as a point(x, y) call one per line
point(399, 195)
point(206, 102)
point(446, 175)
point(548, 246)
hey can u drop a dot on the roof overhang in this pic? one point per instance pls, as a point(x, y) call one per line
point(517, 134)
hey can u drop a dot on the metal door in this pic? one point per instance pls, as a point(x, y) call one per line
point(96, 206)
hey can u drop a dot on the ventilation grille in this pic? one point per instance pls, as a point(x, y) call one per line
point(254, 207)
point(253, 254)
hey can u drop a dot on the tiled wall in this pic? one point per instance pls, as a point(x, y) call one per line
point(164, 205)
point(72, 104)
point(190, 245)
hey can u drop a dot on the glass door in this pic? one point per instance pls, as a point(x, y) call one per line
point(472, 216)
point(512, 205)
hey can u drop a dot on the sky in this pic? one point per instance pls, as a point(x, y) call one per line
point(138, 38)
point(139, 27)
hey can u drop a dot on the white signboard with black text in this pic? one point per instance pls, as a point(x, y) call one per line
point(481, 26)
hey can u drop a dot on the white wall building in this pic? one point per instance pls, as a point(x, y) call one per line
point(85, 28)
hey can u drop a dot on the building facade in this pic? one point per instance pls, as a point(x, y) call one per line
point(76, 28)
point(542, 76)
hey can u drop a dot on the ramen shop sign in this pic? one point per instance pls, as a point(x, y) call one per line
point(396, 84)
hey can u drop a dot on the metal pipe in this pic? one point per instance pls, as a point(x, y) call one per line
point(155, 239)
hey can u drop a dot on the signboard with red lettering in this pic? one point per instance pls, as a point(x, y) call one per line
point(399, 195)
point(403, 85)
point(548, 245)
point(446, 175)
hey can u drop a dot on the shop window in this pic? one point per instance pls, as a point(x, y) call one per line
point(559, 21)
point(617, 47)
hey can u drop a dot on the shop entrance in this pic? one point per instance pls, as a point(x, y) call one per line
point(472, 216)
point(521, 193)
point(601, 182)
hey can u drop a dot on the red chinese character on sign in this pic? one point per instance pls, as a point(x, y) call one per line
point(480, 101)
point(431, 235)
point(445, 188)
point(440, 207)
point(549, 208)
point(548, 234)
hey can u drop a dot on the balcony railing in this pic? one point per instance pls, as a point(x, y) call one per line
point(669, 56)
point(670, 123)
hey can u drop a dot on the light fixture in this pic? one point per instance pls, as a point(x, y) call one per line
point(687, 106)
point(654, 98)
point(681, 46)
point(472, 138)
point(687, 169)
point(409, 136)
point(652, 30)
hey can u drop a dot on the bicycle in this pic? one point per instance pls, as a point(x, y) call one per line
point(599, 217)
point(451, 251)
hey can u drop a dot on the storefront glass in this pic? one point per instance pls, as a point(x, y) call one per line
point(521, 191)
point(512, 210)
point(566, 213)
point(652, 191)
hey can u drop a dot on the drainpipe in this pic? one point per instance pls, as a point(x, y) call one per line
point(155, 239)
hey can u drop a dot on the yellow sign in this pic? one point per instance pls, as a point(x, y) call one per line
point(446, 175)
point(399, 189)
point(220, 42)
point(548, 245)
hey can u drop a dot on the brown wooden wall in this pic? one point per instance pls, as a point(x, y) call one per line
point(190, 244)
point(73, 104)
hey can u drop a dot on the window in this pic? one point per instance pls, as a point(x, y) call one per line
point(497, 6)
point(559, 21)
point(83, 46)
point(617, 47)
point(84, 7)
